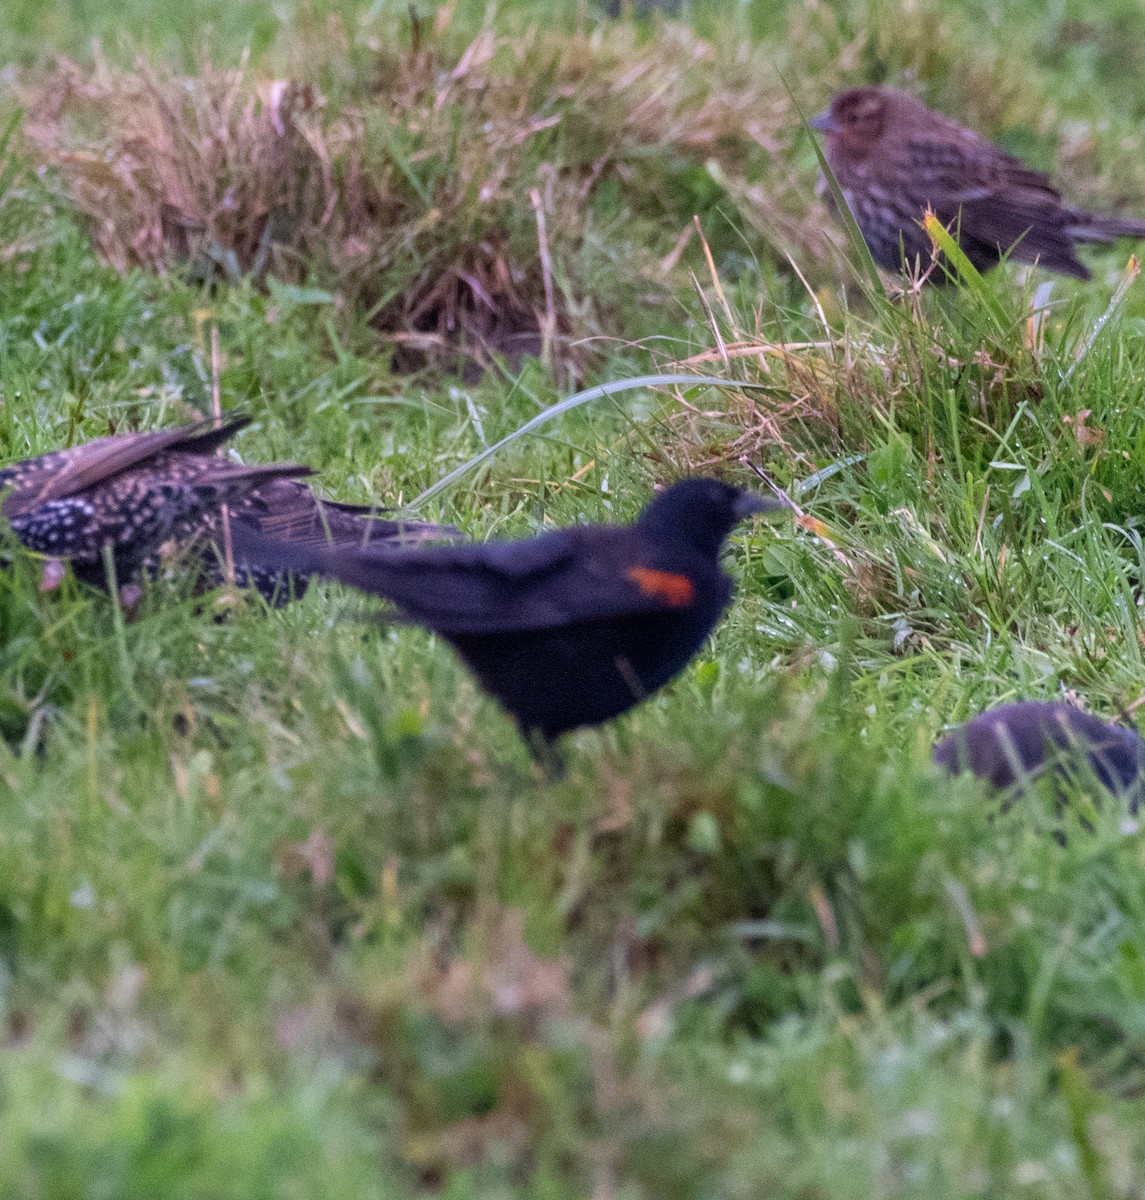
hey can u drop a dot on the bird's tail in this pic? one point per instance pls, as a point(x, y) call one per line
point(363, 524)
point(1091, 227)
point(230, 481)
point(255, 549)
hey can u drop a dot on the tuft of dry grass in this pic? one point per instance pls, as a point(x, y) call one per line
point(526, 191)
point(469, 197)
point(213, 172)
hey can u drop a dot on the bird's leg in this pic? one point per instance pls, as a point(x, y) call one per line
point(546, 754)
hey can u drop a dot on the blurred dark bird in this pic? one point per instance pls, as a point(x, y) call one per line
point(127, 493)
point(567, 629)
point(289, 512)
point(893, 158)
point(1016, 743)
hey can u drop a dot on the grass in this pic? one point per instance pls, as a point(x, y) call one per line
point(285, 908)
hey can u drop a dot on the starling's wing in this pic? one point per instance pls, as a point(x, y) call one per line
point(994, 200)
point(290, 512)
point(548, 582)
point(231, 481)
point(88, 466)
point(205, 437)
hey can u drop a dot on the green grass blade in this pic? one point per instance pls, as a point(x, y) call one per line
point(968, 274)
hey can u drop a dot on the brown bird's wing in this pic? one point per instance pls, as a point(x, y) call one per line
point(96, 462)
point(549, 582)
point(995, 202)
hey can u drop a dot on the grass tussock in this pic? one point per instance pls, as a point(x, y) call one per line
point(473, 199)
point(196, 171)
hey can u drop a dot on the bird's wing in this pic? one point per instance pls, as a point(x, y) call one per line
point(241, 478)
point(967, 168)
point(97, 462)
point(993, 199)
point(549, 582)
point(290, 512)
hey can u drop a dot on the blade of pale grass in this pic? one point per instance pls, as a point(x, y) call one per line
point(1132, 270)
point(599, 391)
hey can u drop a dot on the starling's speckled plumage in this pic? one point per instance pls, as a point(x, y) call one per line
point(128, 492)
point(894, 158)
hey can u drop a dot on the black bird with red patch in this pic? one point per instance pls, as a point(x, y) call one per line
point(567, 629)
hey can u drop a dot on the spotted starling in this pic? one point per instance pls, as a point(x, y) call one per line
point(894, 158)
point(128, 493)
point(567, 629)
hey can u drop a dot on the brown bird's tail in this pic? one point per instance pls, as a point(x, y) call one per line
point(1091, 227)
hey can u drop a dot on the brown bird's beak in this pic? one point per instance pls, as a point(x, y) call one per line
point(824, 122)
point(748, 503)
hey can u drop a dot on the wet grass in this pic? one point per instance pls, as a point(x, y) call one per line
point(285, 907)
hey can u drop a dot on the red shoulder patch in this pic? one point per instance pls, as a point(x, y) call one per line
point(675, 590)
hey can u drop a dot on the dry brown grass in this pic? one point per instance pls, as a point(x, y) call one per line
point(470, 197)
point(498, 195)
point(169, 170)
point(805, 401)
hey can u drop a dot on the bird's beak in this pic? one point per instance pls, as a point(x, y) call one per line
point(824, 122)
point(748, 503)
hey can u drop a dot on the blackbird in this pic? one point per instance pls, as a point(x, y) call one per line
point(894, 158)
point(567, 629)
point(1017, 742)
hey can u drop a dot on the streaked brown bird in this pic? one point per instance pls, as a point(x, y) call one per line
point(893, 158)
point(138, 492)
